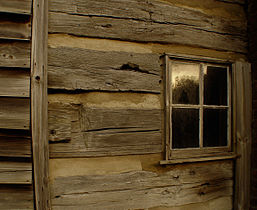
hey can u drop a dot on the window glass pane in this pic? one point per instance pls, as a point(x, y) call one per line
point(215, 86)
point(215, 127)
point(185, 83)
point(185, 128)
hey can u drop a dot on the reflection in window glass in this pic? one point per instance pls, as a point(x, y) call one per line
point(185, 83)
point(185, 128)
point(215, 86)
point(215, 127)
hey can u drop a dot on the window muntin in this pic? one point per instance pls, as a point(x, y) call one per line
point(198, 103)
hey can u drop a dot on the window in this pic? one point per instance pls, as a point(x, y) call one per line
point(197, 108)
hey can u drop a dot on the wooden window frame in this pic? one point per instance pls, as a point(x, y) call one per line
point(173, 156)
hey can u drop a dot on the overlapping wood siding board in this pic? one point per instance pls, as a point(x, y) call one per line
point(15, 26)
point(15, 143)
point(16, 191)
point(15, 172)
point(83, 69)
point(16, 197)
point(16, 6)
point(147, 21)
point(195, 183)
point(78, 130)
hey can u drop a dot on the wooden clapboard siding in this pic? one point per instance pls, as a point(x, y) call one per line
point(15, 113)
point(14, 54)
point(16, 197)
point(193, 183)
point(13, 26)
point(15, 145)
point(14, 82)
point(146, 21)
point(16, 6)
point(15, 172)
point(75, 68)
point(84, 131)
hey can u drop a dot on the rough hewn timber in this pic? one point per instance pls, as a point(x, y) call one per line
point(16, 6)
point(15, 172)
point(14, 82)
point(14, 54)
point(15, 26)
point(243, 112)
point(146, 21)
point(39, 105)
point(74, 68)
point(141, 189)
point(16, 197)
point(15, 113)
point(15, 146)
point(103, 131)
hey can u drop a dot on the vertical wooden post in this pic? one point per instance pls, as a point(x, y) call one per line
point(39, 118)
point(243, 114)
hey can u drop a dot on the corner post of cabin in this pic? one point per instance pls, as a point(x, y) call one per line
point(39, 104)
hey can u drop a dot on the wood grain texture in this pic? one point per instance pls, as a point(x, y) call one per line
point(146, 21)
point(74, 68)
point(13, 26)
point(83, 131)
point(16, 197)
point(14, 54)
point(243, 112)
point(15, 172)
point(39, 104)
point(14, 83)
point(15, 113)
point(14, 145)
point(16, 6)
point(143, 189)
point(242, 2)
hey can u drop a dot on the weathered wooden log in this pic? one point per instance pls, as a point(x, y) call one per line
point(141, 189)
point(75, 68)
point(84, 131)
point(146, 21)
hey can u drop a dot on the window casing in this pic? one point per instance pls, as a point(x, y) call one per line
point(198, 119)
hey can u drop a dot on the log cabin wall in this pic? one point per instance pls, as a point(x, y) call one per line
point(252, 8)
point(105, 85)
point(16, 190)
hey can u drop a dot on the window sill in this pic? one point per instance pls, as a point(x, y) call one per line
point(199, 159)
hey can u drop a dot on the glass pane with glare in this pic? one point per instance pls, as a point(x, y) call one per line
point(215, 86)
point(185, 83)
point(185, 128)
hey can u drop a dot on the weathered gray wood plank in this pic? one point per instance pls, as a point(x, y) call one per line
point(39, 104)
point(15, 113)
point(14, 54)
point(83, 131)
point(15, 146)
point(15, 27)
point(142, 189)
point(146, 21)
point(15, 172)
point(14, 82)
point(16, 197)
point(16, 6)
point(74, 68)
